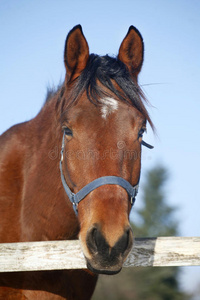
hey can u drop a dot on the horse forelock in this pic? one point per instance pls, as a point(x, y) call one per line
point(103, 77)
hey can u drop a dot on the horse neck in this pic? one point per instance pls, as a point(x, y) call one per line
point(44, 137)
point(43, 158)
point(47, 126)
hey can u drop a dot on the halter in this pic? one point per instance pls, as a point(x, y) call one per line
point(80, 195)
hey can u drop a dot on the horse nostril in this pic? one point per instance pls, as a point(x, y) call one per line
point(96, 241)
point(94, 237)
point(125, 242)
point(92, 240)
point(98, 238)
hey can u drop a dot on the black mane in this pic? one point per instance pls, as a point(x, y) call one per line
point(106, 70)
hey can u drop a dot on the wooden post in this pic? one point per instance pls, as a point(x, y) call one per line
point(57, 255)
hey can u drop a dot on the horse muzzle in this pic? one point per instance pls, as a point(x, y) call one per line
point(106, 259)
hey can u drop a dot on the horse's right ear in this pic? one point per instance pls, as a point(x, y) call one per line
point(76, 53)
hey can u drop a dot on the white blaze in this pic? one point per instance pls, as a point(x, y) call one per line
point(109, 106)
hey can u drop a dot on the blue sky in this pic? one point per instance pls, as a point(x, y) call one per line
point(32, 36)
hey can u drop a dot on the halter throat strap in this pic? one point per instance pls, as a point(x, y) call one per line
point(112, 180)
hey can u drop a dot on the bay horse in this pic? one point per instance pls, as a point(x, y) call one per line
point(97, 117)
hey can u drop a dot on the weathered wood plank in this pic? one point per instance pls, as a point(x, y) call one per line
point(34, 256)
point(56, 255)
point(165, 252)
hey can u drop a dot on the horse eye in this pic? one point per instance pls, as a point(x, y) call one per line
point(141, 132)
point(67, 131)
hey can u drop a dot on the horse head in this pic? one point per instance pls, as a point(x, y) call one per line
point(103, 119)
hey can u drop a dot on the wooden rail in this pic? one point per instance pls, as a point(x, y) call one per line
point(57, 255)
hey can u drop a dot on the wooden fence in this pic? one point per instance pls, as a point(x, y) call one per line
point(57, 255)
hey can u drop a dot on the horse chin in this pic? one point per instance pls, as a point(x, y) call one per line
point(106, 271)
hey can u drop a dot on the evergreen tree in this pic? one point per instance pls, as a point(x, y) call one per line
point(147, 283)
point(156, 216)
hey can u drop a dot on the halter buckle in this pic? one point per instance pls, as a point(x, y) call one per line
point(132, 200)
point(75, 204)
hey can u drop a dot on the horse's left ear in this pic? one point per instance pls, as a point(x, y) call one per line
point(76, 53)
point(131, 51)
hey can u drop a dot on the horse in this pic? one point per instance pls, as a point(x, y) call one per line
point(86, 190)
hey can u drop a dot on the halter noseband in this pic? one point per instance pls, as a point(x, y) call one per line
point(113, 180)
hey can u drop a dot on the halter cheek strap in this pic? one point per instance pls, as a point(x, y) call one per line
point(113, 180)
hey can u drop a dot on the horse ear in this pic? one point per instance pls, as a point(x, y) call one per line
point(76, 53)
point(131, 51)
